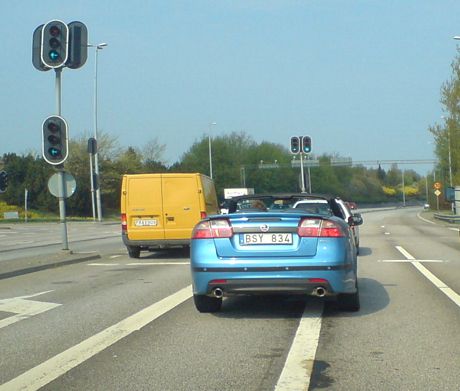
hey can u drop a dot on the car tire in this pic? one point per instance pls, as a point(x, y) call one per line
point(205, 303)
point(349, 301)
point(134, 251)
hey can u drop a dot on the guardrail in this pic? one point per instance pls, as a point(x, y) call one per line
point(449, 218)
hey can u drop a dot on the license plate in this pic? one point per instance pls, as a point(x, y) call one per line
point(266, 238)
point(145, 223)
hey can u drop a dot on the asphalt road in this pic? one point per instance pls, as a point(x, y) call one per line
point(116, 323)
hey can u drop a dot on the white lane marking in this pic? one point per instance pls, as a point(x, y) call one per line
point(387, 233)
point(103, 264)
point(23, 308)
point(115, 256)
point(46, 372)
point(425, 220)
point(450, 293)
point(139, 264)
point(409, 261)
point(298, 367)
point(454, 229)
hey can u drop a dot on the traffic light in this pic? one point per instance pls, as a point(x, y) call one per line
point(3, 181)
point(54, 44)
point(37, 49)
point(55, 142)
point(306, 144)
point(78, 45)
point(295, 144)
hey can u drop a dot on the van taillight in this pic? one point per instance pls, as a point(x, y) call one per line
point(124, 223)
point(319, 228)
point(213, 229)
point(203, 215)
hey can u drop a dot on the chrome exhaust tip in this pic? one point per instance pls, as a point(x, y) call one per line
point(218, 293)
point(319, 291)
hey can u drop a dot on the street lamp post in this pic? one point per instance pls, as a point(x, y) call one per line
point(97, 185)
point(210, 149)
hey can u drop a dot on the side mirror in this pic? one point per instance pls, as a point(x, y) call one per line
point(355, 219)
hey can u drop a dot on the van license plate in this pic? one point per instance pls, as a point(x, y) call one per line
point(264, 238)
point(145, 223)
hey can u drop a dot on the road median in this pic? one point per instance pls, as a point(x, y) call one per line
point(19, 266)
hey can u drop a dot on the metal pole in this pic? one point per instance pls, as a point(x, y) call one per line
point(301, 174)
point(25, 204)
point(403, 189)
point(92, 185)
point(61, 185)
point(96, 158)
point(210, 155)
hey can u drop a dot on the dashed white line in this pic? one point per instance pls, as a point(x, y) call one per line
point(298, 367)
point(450, 293)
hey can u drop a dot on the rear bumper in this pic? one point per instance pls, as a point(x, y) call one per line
point(265, 280)
point(157, 243)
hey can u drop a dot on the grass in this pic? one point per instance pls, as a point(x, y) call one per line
point(41, 216)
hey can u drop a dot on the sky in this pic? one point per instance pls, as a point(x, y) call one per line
point(362, 78)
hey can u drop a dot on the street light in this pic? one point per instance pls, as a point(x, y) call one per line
point(209, 149)
point(97, 185)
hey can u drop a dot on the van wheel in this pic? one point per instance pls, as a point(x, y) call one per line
point(134, 252)
point(205, 303)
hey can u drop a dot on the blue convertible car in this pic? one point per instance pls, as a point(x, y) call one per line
point(266, 246)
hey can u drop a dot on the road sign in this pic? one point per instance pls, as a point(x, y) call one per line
point(69, 185)
point(437, 193)
point(437, 185)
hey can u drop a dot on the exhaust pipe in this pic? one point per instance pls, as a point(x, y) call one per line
point(218, 293)
point(319, 291)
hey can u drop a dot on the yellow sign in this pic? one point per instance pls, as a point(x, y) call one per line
point(437, 185)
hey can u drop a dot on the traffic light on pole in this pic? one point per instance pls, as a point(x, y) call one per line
point(295, 144)
point(78, 45)
point(55, 142)
point(306, 144)
point(37, 49)
point(54, 44)
point(3, 181)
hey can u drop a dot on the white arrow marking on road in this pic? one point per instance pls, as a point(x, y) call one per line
point(24, 308)
point(450, 293)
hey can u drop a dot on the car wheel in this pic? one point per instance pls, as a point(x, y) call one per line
point(134, 252)
point(349, 301)
point(205, 303)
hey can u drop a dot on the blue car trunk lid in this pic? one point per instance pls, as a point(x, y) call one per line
point(265, 235)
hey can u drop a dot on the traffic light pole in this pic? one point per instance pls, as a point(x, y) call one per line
point(302, 173)
point(61, 188)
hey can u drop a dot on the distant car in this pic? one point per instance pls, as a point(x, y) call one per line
point(320, 206)
point(354, 219)
point(426, 206)
point(280, 250)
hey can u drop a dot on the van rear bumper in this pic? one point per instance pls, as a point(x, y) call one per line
point(157, 243)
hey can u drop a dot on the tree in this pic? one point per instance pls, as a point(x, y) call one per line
point(447, 135)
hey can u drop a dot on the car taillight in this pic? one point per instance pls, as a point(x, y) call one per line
point(213, 229)
point(124, 223)
point(319, 228)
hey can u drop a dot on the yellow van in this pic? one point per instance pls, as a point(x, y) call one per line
point(160, 210)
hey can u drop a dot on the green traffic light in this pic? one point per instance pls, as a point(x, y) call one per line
point(54, 152)
point(53, 55)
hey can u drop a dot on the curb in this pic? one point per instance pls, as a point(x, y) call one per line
point(24, 266)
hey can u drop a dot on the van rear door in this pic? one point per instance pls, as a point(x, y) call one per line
point(144, 207)
point(181, 205)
